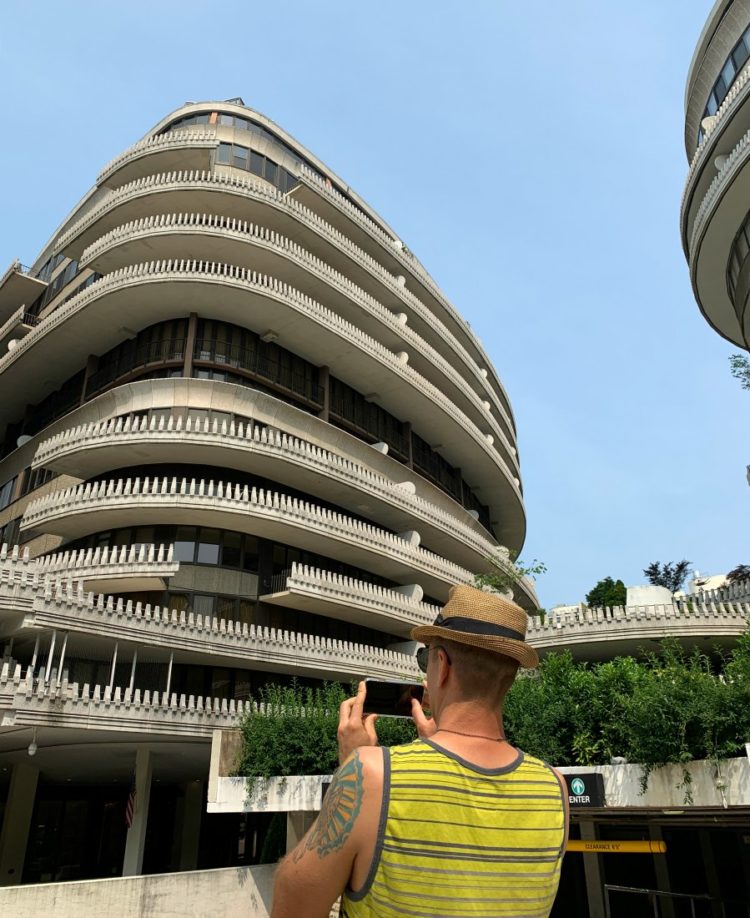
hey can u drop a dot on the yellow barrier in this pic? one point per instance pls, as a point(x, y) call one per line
point(617, 847)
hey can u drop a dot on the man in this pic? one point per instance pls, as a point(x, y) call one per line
point(457, 823)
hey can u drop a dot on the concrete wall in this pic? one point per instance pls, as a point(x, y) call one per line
point(233, 892)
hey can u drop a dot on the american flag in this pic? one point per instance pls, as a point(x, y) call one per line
point(130, 805)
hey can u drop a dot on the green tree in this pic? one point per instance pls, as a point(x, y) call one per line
point(739, 573)
point(670, 574)
point(292, 731)
point(607, 592)
point(505, 575)
point(740, 369)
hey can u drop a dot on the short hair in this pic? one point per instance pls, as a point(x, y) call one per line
point(483, 675)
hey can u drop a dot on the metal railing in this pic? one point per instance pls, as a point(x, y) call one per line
point(681, 905)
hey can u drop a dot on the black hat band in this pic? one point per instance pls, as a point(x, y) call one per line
point(476, 626)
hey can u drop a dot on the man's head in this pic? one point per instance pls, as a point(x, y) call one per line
point(474, 648)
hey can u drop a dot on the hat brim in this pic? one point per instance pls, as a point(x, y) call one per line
point(524, 653)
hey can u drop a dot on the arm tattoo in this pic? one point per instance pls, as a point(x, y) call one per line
point(340, 808)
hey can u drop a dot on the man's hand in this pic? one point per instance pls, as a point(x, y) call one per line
point(354, 730)
point(426, 726)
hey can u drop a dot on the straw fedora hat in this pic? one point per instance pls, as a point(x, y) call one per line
point(484, 620)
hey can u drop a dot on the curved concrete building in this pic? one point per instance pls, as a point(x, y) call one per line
point(243, 437)
point(715, 213)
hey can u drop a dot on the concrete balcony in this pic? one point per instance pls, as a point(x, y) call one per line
point(18, 290)
point(96, 621)
point(600, 634)
point(145, 293)
point(228, 195)
point(90, 450)
point(186, 149)
point(236, 242)
point(89, 508)
point(719, 216)
point(721, 133)
point(123, 569)
point(27, 701)
point(323, 198)
point(334, 596)
point(16, 328)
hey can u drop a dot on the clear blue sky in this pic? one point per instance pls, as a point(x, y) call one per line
point(530, 156)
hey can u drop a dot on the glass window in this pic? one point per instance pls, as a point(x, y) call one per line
point(208, 546)
point(256, 163)
point(271, 170)
point(239, 157)
point(739, 55)
point(6, 492)
point(250, 554)
point(221, 682)
point(226, 119)
point(225, 608)
point(231, 549)
point(201, 119)
point(178, 601)
point(184, 544)
point(246, 612)
point(728, 72)
point(222, 154)
point(242, 123)
point(712, 105)
point(720, 89)
point(203, 604)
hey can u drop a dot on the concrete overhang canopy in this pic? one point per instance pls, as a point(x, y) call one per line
point(18, 289)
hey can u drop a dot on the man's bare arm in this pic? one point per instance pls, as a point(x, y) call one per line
point(312, 876)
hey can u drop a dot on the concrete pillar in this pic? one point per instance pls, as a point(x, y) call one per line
point(593, 871)
point(92, 365)
point(714, 887)
point(324, 381)
point(135, 843)
point(191, 825)
point(297, 825)
point(192, 329)
point(662, 873)
point(17, 822)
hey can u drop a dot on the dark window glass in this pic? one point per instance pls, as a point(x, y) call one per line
point(728, 72)
point(239, 157)
point(203, 604)
point(271, 171)
point(256, 163)
point(712, 105)
point(720, 89)
point(221, 683)
point(226, 607)
point(246, 613)
point(208, 546)
point(223, 153)
point(739, 55)
point(200, 119)
point(242, 123)
point(250, 554)
point(279, 558)
point(231, 552)
point(226, 119)
point(178, 601)
point(184, 544)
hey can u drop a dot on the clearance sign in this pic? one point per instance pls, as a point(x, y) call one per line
point(617, 847)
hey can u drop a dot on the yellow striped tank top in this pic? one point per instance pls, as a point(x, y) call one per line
point(456, 839)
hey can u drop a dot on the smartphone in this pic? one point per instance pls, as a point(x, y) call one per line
point(391, 699)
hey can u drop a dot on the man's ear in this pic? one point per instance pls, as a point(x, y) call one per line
point(444, 668)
